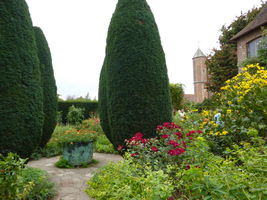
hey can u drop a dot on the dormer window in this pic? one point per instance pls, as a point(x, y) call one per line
point(253, 47)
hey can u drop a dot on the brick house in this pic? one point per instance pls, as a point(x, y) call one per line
point(249, 37)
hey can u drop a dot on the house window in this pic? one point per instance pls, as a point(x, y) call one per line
point(253, 47)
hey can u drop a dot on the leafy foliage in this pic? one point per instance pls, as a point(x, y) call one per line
point(42, 188)
point(49, 86)
point(134, 91)
point(177, 94)
point(124, 180)
point(75, 115)
point(21, 94)
point(243, 107)
point(11, 183)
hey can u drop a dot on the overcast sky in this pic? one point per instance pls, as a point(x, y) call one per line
point(76, 32)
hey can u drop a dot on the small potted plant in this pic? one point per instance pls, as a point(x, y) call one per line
point(77, 146)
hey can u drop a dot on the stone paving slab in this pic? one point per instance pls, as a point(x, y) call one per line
point(70, 183)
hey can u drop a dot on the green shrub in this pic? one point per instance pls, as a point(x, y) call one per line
point(11, 184)
point(177, 94)
point(134, 90)
point(42, 188)
point(124, 180)
point(63, 163)
point(103, 145)
point(75, 115)
point(239, 177)
point(49, 86)
point(21, 94)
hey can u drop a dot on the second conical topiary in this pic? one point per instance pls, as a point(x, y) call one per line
point(134, 91)
point(49, 86)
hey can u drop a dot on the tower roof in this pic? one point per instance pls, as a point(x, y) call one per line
point(259, 21)
point(199, 53)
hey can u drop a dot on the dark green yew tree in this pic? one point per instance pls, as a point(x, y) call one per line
point(21, 94)
point(49, 86)
point(134, 90)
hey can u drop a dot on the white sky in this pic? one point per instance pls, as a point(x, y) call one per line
point(76, 32)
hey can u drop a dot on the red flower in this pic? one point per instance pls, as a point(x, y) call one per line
point(196, 166)
point(165, 136)
point(154, 149)
point(171, 152)
point(138, 136)
point(166, 124)
point(199, 131)
point(188, 167)
point(190, 138)
point(119, 147)
point(179, 134)
point(184, 144)
point(134, 154)
point(175, 144)
point(178, 151)
point(159, 128)
point(3, 171)
point(192, 131)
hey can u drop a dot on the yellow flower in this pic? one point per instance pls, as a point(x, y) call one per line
point(229, 111)
point(217, 133)
point(224, 132)
point(229, 102)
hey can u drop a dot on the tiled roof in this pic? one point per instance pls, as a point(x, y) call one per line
point(259, 21)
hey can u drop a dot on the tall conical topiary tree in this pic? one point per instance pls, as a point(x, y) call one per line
point(49, 86)
point(21, 95)
point(134, 91)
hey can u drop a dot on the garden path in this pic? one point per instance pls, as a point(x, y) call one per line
point(70, 183)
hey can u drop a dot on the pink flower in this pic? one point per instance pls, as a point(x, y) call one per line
point(180, 135)
point(178, 151)
point(190, 138)
point(175, 144)
point(171, 152)
point(159, 128)
point(119, 147)
point(199, 131)
point(192, 131)
point(165, 136)
point(154, 149)
point(134, 154)
point(138, 136)
point(166, 124)
point(184, 144)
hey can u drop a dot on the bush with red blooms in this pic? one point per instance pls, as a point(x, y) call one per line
point(169, 147)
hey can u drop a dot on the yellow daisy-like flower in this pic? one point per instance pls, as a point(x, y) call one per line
point(229, 111)
point(224, 132)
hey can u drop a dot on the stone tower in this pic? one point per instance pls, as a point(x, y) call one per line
point(200, 76)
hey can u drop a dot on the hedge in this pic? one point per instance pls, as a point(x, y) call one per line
point(90, 107)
